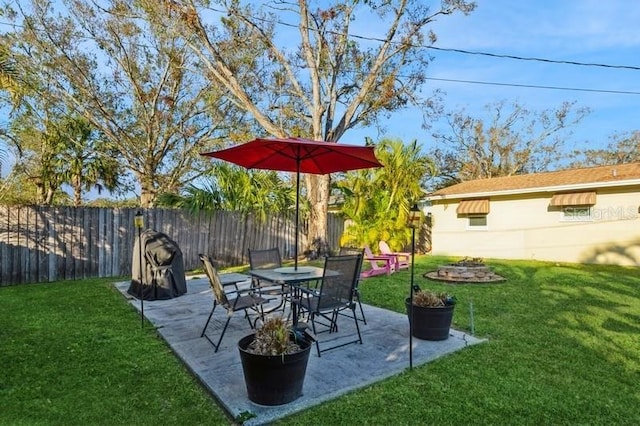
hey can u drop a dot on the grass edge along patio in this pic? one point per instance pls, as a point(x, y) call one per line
point(562, 348)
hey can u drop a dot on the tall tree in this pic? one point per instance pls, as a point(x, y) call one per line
point(515, 141)
point(319, 82)
point(142, 89)
point(59, 148)
point(42, 163)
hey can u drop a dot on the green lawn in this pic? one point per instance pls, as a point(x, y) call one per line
point(563, 349)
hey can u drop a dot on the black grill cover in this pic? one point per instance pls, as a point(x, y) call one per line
point(162, 268)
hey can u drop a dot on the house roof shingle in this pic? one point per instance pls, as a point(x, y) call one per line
point(545, 181)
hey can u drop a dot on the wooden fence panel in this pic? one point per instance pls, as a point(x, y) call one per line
point(14, 261)
point(202, 233)
point(39, 255)
point(89, 217)
point(43, 244)
point(24, 242)
point(4, 244)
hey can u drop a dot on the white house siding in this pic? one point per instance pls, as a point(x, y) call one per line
point(524, 226)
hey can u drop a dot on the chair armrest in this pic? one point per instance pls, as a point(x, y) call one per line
point(402, 254)
point(385, 258)
point(306, 290)
point(251, 291)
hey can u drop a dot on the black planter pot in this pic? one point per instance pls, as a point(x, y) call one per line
point(276, 379)
point(430, 323)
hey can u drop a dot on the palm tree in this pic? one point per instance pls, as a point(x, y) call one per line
point(9, 82)
point(377, 201)
point(89, 161)
point(233, 188)
point(60, 149)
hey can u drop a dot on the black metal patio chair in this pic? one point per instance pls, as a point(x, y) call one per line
point(333, 296)
point(233, 301)
point(355, 250)
point(268, 259)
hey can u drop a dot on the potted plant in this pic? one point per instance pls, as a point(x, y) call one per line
point(274, 362)
point(431, 314)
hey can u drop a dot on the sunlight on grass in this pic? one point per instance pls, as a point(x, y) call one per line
point(562, 349)
point(599, 312)
point(79, 356)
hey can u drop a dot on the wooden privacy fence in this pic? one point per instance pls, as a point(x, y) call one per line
point(43, 244)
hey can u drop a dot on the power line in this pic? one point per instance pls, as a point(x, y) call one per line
point(524, 58)
point(442, 49)
point(534, 86)
point(463, 51)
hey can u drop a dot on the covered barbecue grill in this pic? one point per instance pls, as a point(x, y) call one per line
point(161, 274)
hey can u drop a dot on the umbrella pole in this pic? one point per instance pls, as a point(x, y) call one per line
point(295, 247)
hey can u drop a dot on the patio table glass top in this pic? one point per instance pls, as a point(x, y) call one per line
point(276, 275)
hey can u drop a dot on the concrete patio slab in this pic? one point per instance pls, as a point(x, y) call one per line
point(384, 352)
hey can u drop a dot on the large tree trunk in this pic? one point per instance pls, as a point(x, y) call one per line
point(77, 191)
point(48, 196)
point(148, 193)
point(318, 194)
point(147, 198)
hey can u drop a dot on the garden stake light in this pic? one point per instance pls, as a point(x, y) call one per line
point(139, 224)
point(413, 222)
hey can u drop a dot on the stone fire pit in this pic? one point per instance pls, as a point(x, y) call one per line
point(465, 271)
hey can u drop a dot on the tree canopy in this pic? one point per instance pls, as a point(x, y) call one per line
point(516, 140)
point(162, 80)
point(622, 148)
point(314, 78)
point(141, 89)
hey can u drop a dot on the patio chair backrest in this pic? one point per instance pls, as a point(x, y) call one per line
point(214, 282)
point(368, 252)
point(339, 281)
point(384, 247)
point(344, 251)
point(265, 258)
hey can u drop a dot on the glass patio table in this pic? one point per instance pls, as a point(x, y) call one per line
point(291, 279)
point(288, 275)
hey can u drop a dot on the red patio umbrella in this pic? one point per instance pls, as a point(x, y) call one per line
point(300, 156)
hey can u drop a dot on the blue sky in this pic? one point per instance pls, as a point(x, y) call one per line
point(603, 32)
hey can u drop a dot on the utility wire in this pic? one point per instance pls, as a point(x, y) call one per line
point(462, 51)
point(534, 86)
point(524, 58)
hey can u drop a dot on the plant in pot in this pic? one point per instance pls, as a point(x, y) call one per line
point(431, 314)
point(274, 361)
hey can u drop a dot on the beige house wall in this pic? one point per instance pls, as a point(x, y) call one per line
point(524, 226)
